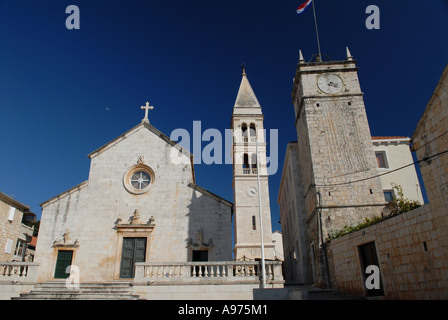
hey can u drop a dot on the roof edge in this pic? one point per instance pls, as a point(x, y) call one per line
point(19, 205)
point(210, 194)
point(65, 193)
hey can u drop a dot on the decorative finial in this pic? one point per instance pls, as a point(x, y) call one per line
point(243, 67)
point(349, 55)
point(301, 59)
point(146, 108)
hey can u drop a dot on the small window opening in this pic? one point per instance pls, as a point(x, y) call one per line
point(254, 160)
point(246, 168)
point(244, 132)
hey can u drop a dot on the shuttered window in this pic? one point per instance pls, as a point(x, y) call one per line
point(8, 247)
point(11, 213)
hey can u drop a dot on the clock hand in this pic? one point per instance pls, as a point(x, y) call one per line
point(331, 83)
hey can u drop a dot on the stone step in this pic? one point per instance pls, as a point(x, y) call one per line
point(303, 292)
point(57, 290)
point(75, 291)
point(86, 285)
point(83, 288)
point(327, 294)
point(81, 296)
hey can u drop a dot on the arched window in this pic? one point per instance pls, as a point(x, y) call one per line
point(244, 132)
point(254, 160)
point(254, 223)
point(246, 167)
point(252, 132)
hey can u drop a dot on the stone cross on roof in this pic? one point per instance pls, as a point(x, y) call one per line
point(146, 108)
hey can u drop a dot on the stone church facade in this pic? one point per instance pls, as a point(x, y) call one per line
point(141, 204)
point(141, 225)
point(136, 206)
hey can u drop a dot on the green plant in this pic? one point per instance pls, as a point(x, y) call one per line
point(399, 205)
point(349, 229)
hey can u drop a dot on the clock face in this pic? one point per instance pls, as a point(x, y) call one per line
point(329, 83)
point(251, 191)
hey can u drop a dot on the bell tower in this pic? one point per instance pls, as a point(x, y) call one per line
point(250, 178)
point(338, 168)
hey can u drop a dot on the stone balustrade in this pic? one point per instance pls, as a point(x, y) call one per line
point(210, 271)
point(18, 271)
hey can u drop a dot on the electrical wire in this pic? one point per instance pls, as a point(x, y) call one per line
point(382, 174)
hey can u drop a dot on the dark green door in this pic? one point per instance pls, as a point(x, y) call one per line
point(63, 261)
point(134, 250)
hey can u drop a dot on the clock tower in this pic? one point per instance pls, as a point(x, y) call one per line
point(338, 168)
point(250, 178)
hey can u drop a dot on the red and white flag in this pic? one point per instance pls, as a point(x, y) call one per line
point(303, 6)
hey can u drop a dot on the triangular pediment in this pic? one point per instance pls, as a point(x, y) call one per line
point(141, 125)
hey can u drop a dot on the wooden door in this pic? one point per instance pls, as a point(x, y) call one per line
point(134, 250)
point(64, 260)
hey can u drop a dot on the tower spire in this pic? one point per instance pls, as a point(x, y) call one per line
point(246, 102)
point(301, 59)
point(349, 55)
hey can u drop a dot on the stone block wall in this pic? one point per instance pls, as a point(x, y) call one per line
point(9, 229)
point(412, 257)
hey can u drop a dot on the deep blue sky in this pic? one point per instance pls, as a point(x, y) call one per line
point(64, 93)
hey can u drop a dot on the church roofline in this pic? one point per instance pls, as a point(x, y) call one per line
point(65, 193)
point(131, 131)
point(210, 194)
point(118, 139)
point(157, 133)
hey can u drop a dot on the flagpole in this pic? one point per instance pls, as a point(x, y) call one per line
point(263, 267)
point(317, 32)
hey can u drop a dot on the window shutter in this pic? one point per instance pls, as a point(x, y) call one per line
point(8, 246)
point(12, 211)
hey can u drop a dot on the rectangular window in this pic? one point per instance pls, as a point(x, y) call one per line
point(381, 159)
point(11, 213)
point(8, 246)
point(388, 195)
point(20, 248)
